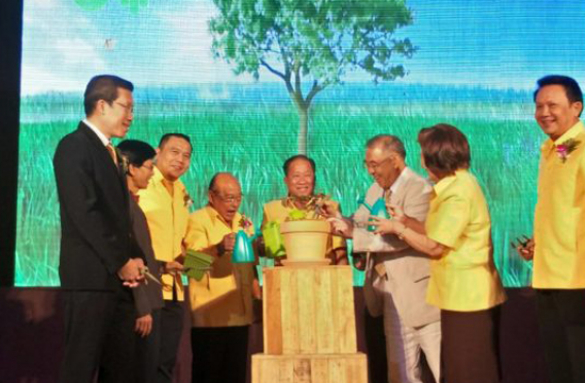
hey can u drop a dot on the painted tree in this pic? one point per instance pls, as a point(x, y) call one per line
point(311, 44)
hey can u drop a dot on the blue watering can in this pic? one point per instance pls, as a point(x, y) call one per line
point(377, 210)
point(243, 252)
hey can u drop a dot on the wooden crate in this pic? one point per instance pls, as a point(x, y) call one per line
point(322, 368)
point(309, 310)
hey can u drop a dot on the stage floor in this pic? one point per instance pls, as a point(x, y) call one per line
point(31, 337)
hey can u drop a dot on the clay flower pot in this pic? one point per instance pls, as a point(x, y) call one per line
point(305, 240)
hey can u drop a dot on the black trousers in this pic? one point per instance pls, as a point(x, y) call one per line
point(99, 336)
point(470, 346)
point(376, 345)
point(148, 351)
point(220, 354)
point(561, 320)
point(171, 328)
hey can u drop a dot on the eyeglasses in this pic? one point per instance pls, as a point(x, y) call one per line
point(374, 165)
point(229, 198)
point(128, 108)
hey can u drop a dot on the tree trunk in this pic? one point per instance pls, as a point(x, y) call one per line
point(303, 137)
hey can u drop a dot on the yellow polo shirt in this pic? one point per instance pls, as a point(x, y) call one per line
point(223, 297)
point(559, 222)
point(278, 211)
point(464, 278)
point(167, 218)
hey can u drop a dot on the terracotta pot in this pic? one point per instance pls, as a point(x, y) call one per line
point(305, 240)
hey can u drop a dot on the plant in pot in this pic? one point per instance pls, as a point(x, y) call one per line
point(305, 232)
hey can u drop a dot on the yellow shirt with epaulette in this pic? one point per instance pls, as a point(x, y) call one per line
point(278, 211)
point(464, 278)
point(559, 222)
point(167, 218)
point(223, 297)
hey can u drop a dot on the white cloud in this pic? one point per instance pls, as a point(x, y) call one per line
point(41, 4)
point(39, 80)
point(190, 53)
point(75, 52)
point(55, 55)
point(211, 92)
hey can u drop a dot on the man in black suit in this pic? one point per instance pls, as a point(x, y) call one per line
point(99, 257)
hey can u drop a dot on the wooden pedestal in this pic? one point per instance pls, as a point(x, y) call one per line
point(309, 310)
point(309, 327)
point(335, 368)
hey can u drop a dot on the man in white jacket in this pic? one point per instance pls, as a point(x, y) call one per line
point(397, 275)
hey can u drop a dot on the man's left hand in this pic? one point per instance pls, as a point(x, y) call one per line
point(396, 212)
point(143, 325)
point(130, 272)
point(383, 225)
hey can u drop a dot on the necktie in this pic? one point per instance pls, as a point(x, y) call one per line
point(112, 151)
point(387, 195)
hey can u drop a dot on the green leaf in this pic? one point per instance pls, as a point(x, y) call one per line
point(296, 214)
point(91, 5)
point(324, 39)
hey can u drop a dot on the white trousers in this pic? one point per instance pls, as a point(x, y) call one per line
point(404, 344)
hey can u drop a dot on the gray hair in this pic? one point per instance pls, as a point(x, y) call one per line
point(387, 143)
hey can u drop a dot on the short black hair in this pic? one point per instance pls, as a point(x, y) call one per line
point(289, 161)
point(167, 136)
point(103, 87)
point(136, 152)
point(572, 89)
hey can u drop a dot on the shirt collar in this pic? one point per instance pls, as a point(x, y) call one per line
point(440, 186)
point(573, 132)
point(400, 180)
point(215, 217)
point(98, 132)
point(158, 177)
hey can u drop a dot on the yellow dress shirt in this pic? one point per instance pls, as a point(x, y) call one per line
point(278, 211)
point(167, 218)
point(223, 297)
point(559, 222)
point(464, 278)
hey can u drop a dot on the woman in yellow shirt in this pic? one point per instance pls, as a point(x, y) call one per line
point(464, 282)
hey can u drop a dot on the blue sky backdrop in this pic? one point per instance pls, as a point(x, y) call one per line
point(495, 44)
point(475, 66)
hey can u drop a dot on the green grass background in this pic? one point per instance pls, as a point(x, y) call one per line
point(253, 139)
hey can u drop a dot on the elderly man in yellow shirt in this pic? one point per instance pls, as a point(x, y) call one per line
point(221, 302)
point(165, 203)
point(558, 247)
point(299, 177)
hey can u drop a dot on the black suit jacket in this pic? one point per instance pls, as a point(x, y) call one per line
point(96, 234)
